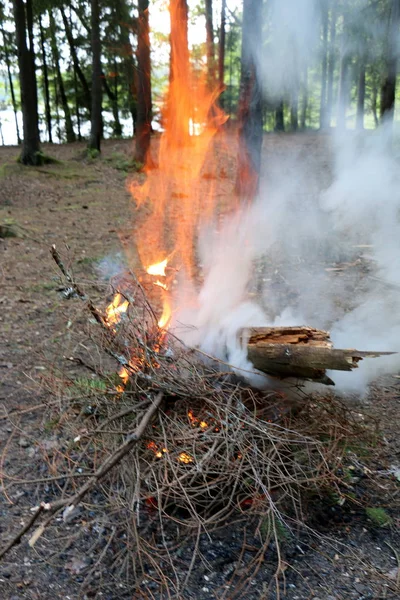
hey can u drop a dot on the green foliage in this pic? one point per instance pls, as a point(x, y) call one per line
point(92, 153)
point(379, 517)
point(122, 163)
point(273, 527)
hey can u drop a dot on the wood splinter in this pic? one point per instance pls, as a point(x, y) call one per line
point(300, 352)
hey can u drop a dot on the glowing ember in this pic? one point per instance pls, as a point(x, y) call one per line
point(158, 269)
point(158, 453)
point(161, 285)
point(196, 422)
point(116, 309)
point(185, 458)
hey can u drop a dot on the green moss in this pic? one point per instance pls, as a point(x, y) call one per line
point(379, 517)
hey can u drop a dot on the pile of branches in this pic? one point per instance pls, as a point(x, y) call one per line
point(166, 444)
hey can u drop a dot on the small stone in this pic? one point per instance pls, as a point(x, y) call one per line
point(23, 442)
point(206, 577)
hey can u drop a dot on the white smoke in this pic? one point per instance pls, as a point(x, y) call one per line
point(299, 228)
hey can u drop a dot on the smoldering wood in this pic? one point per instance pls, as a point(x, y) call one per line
point(300, 352)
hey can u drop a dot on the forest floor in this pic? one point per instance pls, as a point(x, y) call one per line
point(85, 204)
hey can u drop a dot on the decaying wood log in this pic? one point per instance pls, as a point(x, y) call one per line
point(299, 352)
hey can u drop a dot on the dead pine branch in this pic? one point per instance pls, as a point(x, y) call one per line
point(72, 501)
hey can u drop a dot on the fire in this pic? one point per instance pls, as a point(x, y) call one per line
point(116, 309)
point(197, 422)
point(175, 195)
point(185, 458)
point(158, 268)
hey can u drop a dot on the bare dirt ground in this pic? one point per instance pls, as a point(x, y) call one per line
point(84, 204)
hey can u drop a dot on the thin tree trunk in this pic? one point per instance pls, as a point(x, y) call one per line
point(221, 56)
point(75, 61)
point(10, 81)
point(29, 24)
point(69, 130)
point(96, 121)
point(45, 82)
point(304, 99)
point(78, 116)
point(388, 90)
point(210, 43)
point(30, 154)
point(128, 64)
point(279, 117)
point(178, 125)
point(294, 109)
point(250, 104)
point(361, 95)
point(343, 85)
point(331, 66)
point(323, 101)
point(374, 102)
point(143, 124)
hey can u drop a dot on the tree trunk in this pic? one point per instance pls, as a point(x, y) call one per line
point(388, 90)
point(374, 102)
point(304, 99)
point(361, 95)
point(250, 103)
point(69, 130)
point(331, 66)
point(221, 56)
point(10, 81)
point(279, 117)
point(143, 123)
point(294, 109)
point(45, 82)
point(299, 352)
point(96, 118)
point(343, 93)
point(323, 102)
point(75, 61)
point(210, 43)
point(30, 154)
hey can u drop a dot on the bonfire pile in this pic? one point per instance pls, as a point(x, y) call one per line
point(172, 439)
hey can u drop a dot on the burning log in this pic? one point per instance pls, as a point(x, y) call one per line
point(300, 352)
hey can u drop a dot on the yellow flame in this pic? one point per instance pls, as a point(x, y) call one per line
point(161, 285)
point(166, 314)
point(115, 309)
point(158, 268)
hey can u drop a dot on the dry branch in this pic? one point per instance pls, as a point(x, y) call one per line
point(111, 461)
point(301, 352)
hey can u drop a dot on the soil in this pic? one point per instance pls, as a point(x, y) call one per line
point(83, 207)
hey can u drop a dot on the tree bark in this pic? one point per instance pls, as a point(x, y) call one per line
point(361, 95)
point(69, 130)
point(143, 123)
point(210, 43)
point(30, 154)
point(129, 66)
point(10, 81)
point(96, 113)
point(75, 61)
point(250, 103)
point(300, 352)
point(323, 101)
point(388, 90)
point(179, 75)
point(45, 82)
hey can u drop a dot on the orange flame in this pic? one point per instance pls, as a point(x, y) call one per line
point(174, 196)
